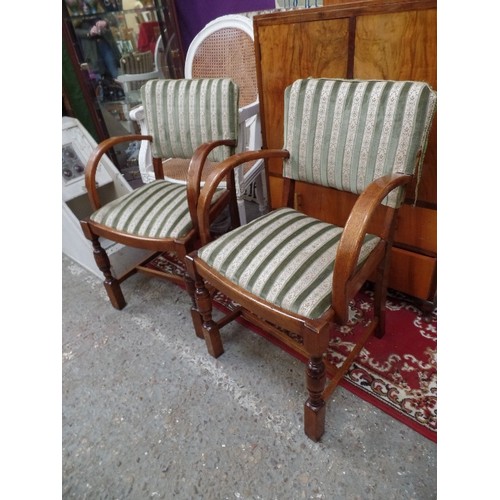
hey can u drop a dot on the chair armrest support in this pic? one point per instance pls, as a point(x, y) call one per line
point(137, 113)
point(216, 176)
point(133, 77)
point(195, 170)
point(95, 158)
point(354, 233)
point(246, 112)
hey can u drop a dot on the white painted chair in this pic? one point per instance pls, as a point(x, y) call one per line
point(223, 48)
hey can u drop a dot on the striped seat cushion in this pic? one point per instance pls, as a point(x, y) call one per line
point(284, 257)
point(346, 133)
point(156, 210)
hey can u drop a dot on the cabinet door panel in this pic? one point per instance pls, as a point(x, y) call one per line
point(413, 274)
point(402, 46)
point(290, 51)
point(398, 46)
point(417, 228)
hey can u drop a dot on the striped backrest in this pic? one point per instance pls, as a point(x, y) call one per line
point(346, 133)
point(183, 114)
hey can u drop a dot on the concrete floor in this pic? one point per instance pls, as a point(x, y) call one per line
point(147, 413)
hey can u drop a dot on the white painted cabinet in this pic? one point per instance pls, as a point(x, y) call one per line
point(77, 146)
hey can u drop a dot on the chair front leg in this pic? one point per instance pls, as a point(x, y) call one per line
point(111, 284)
point(201, 313)
point(382, 279)
point(315, 406)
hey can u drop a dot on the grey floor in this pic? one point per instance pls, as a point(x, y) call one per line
point(147, 413)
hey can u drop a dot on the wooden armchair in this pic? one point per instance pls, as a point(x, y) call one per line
point(191, 119)
point(292, 273)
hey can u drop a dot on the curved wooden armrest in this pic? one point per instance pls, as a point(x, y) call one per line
point(195, 170)
point(95, 158)
point(355, 231)
point(216, 176)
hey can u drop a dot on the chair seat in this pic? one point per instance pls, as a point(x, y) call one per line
point(156, 210)
point(285, 258)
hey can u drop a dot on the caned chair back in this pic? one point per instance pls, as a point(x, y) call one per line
point(225, 47)
point(182, 114)
point(346, 133)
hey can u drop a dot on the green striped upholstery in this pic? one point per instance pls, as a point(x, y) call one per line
point(284, 257)
point(156, 210)
point(182, 114)
point(346, 133)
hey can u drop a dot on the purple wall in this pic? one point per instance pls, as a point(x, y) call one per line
point(194, 14)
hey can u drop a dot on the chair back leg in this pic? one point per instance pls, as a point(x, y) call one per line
point(195, 315)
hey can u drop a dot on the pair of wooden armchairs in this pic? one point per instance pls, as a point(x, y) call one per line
point(286, 270)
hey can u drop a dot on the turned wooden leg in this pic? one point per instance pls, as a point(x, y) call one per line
point(195, 315)
point(111, 284)
point(314, 408)
point(202, 317)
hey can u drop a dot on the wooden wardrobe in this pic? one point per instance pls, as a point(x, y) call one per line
point(366, 39)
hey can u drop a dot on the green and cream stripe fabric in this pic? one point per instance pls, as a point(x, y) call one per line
point(346, 133)
point(183, 114)
point(284, 257)
point(156, 210)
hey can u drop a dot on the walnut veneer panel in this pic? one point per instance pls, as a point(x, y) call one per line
point(417, 229)
point(413, 273)
point(288, 52)
point(397, 46)
point(402, 46)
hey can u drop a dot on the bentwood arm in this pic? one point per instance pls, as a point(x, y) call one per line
point(216, 176)
point(195, 171)
point(355, 231)
point(95, 158)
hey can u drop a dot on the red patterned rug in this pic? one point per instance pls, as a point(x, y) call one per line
point(397, 373)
